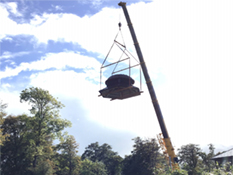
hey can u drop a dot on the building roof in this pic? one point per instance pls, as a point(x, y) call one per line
point(228, 153)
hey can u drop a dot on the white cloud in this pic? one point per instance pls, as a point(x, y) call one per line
point(87, 31)
point(57, 8)
point(10, 62)
point(12, 6)
point(184, 35)
point(8, 39)
point(10, 27)
point(4, 86)
point(6, 54)
point(96, 3)
point(12, 99)
point(67, 82)
point(59, 61)
point(37, 20)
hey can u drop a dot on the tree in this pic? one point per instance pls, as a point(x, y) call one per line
point(206, 158)
point(14, 157)
point(95, 152)
point(114, 165)
point(69, 162)
point(189, 158)
point(3, 106)
point(92, 168)
point(45, 168)
point(144, 158)
point(104, 153)
point(46, 122)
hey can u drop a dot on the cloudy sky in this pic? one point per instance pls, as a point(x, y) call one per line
point(187, 46)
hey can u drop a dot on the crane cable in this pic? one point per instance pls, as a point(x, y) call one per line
point(109, 53)
point(140, 71)
point(123, 52)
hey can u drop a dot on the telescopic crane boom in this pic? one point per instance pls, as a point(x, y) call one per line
point(168, 144)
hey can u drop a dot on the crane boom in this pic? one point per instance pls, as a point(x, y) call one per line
point(168, 144)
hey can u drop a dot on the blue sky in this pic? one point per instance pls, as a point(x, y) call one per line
point(187, 45)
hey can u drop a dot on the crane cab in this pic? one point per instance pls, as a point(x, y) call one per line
point(119, 86)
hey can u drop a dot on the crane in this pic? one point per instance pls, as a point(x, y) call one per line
point(166, 138)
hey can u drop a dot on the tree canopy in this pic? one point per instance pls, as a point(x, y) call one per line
point(28, 147)
point(188, 157)
point(104, 153)
point(145, 158)
point(3, 106)
point(46, 122)
point(15, 154)
point(67, 159)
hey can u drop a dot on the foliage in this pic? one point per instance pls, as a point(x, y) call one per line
point(114, 165)
point(104, 153)
point(14, 152)
point(46, 122)
point(68, 161)
point(144, 158)
point(92, 168)
point(168, 171)
point(46, 111)
point(45, 168)
point(3, 106)
point(225, 169)
point(177, 172)
point(188, 158)
point(95, 152)
point(206, 158)
point(27, 148)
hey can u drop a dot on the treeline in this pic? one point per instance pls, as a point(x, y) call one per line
point(27, 147)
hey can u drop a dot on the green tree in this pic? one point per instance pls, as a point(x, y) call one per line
point(3, 106)
point(14, 159)
point(92, 168)
point(206, 158)
point(46, 123)
point(104, 153)
point(114, 165)
point(145, 158)
point(189, 157)
point(68, 161)
point(44, 168)
point(95, 152)
point(173, 172)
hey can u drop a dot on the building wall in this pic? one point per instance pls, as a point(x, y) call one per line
point(222, 161)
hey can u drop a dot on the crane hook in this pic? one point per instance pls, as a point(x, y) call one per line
point(119, 24)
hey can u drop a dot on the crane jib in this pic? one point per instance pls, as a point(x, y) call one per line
point(168, 144)
point(145, 72)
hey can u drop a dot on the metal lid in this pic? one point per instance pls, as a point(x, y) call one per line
point(119, 80)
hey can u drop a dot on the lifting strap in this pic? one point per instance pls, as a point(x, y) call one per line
point(122, 47)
